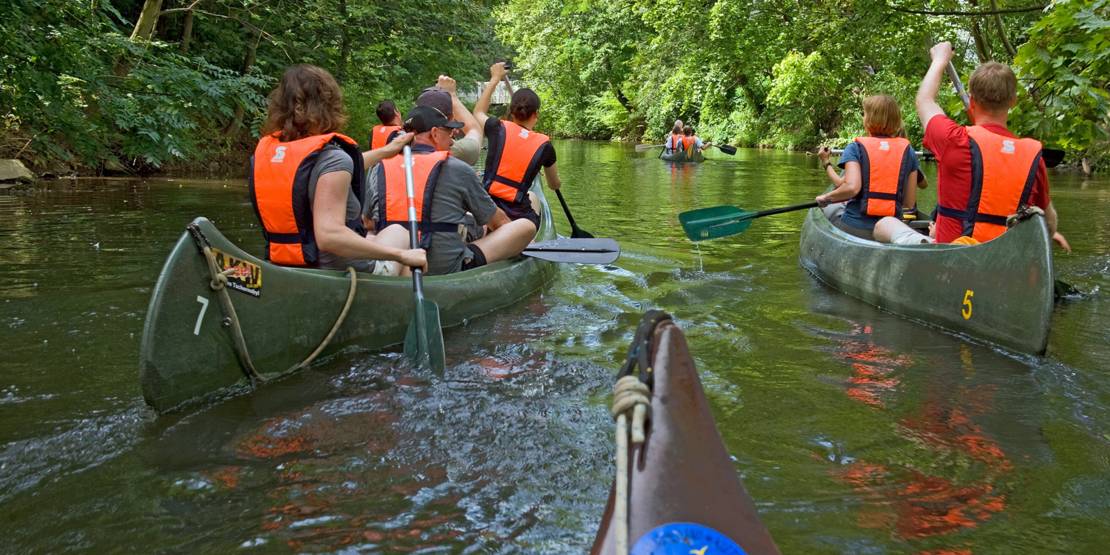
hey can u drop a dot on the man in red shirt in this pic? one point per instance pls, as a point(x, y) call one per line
point(993, 91)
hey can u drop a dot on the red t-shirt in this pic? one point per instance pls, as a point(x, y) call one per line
point(948, 141)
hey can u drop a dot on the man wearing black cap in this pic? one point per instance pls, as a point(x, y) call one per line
point(444, 190)
point(443, 97)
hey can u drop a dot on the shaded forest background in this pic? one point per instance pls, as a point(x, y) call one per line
point(153, 85)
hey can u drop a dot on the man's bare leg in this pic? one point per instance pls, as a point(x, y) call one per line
point(507, 241)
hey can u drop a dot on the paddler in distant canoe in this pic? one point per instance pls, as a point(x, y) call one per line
point(307, 182)
point(674, 141)
point(691, 142)
point(515, 154)
point(880, 172)
point(445, 189)
point(985, 173)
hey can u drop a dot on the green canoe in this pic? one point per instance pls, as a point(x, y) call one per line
point(187, 350)
point(680, 157)
point(1000, 291)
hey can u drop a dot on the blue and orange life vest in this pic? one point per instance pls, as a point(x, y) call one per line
point(885, 167)
point(393, 202)
point(513, 161)
point(382, 135)
point(1003, 170)
point(278, 185)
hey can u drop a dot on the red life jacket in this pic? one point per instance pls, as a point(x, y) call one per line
point(382, 135)
point(513, 161)
point(1003, 171)
point(885, 167)
point(393, 201)
point(278, 186)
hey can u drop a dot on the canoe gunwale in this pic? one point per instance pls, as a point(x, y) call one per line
point(1000, 291)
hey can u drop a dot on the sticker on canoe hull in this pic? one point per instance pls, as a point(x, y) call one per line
point(245, 277)
point(685, 538)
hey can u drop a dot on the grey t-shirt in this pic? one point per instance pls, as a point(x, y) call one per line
point(335, 159)
point(458, 191)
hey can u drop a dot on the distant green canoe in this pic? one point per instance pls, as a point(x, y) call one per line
point(1000, 291)
point(187, 352)
point(681, 157)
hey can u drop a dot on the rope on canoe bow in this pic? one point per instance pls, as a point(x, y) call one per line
point(218, 283)
point(632, 394)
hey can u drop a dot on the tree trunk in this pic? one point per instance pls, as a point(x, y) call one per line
point(148, 18)
point(236, 123)
point(1002, 31)
point(617, 92)
point(982, 47)
point(344, 43)
point(187, 32)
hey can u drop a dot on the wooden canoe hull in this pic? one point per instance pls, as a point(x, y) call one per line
point(186, 353)
point(1000, 291)
point(682, 473)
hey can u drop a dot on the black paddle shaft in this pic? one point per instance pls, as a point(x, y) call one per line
point(575, 231)
point(774, 211)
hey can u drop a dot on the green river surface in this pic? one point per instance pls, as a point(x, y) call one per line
point(854, 431)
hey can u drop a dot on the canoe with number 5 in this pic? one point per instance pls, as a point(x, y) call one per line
point(1000, 291)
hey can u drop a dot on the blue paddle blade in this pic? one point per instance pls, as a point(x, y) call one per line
point(424, 337)
point(715, 222)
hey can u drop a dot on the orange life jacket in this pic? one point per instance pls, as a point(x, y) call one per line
point(393, 201)
point(513, 161)
point(674, 142)
point(382, 135)
point(1003, 171)
point(885, 167)
point(688, 144)
point(278, 185)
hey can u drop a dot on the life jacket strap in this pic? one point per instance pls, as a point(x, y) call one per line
point(284, 238)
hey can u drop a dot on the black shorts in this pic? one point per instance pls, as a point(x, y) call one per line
point(516, 211)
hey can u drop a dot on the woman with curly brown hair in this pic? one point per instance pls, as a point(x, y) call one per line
point(307, 181)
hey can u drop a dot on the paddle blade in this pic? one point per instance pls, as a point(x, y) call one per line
point(576, 251)
point(727, 149)
point(642, 148)
point(714, 222)
point(1052, 157)
point(424, 337)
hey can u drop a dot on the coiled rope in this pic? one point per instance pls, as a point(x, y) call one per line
point(629, 395)
point(218, 283)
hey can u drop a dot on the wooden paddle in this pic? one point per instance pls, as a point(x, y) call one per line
point(722, 221)
point(424, 337)
point(577, 251)
point(642, 148)
point(1052, 157)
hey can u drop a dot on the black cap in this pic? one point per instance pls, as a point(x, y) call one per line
point(437, 98)
point(424, 118)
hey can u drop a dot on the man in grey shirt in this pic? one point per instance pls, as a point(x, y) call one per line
point(457, 191)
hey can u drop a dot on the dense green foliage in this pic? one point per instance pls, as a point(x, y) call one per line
point(79, 91)
point(786, 74)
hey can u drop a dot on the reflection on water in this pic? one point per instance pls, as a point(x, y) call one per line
point(855, 431)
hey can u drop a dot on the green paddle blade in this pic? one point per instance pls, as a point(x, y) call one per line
point(715, 222)
point(424, 337)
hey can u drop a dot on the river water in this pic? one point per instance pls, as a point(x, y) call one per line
point(854, 431)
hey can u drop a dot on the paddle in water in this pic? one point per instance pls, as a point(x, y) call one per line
point(424, 338)
point(575, 231)
point(722, 221)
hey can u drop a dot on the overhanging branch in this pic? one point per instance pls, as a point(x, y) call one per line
point(969, 14)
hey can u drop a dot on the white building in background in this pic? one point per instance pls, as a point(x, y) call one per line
point(470, 94)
